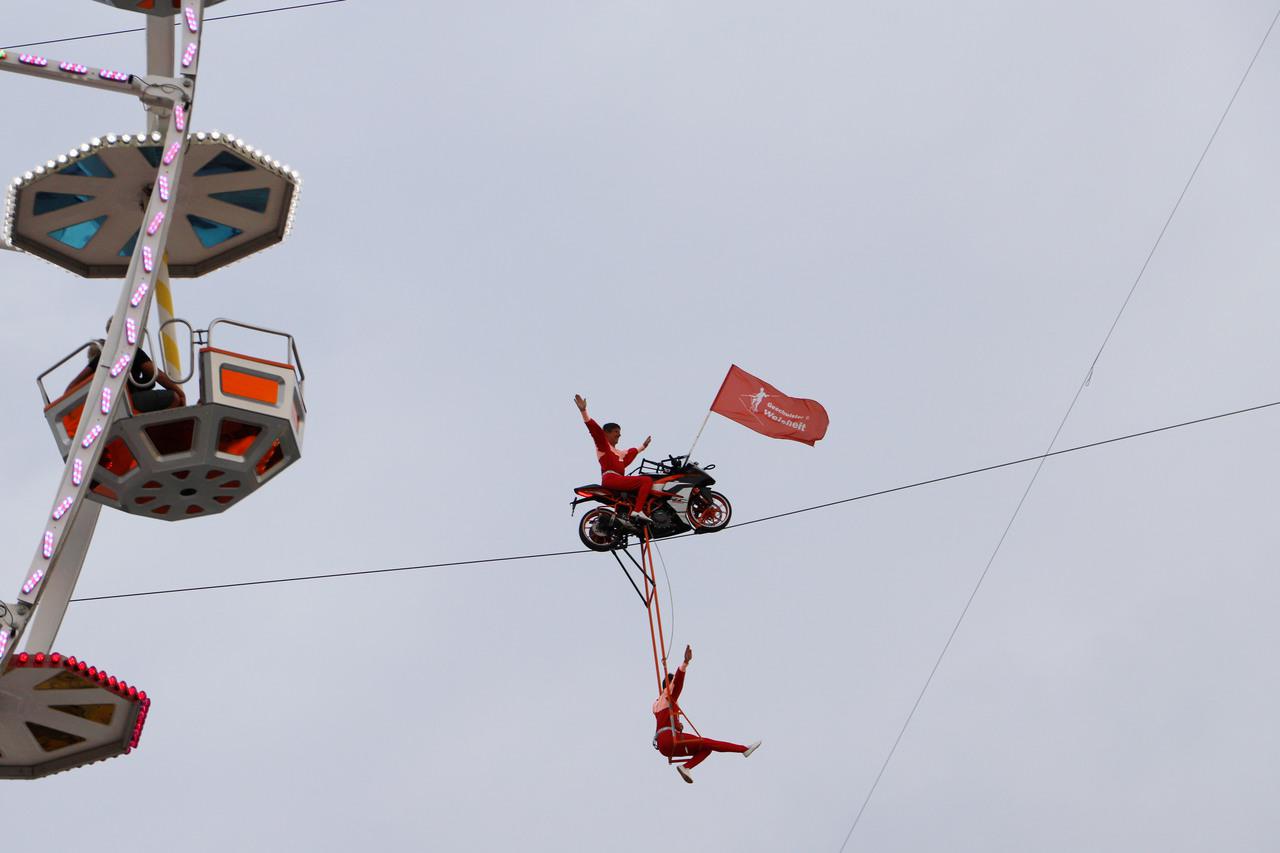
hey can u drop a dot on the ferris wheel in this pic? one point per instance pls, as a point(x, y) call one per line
point(166, 202)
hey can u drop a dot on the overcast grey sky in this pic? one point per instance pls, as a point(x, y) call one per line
point(923, 215)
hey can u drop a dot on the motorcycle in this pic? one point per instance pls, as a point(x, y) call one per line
point(682, 500)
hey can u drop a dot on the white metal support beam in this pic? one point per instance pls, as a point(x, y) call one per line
point(35, 65)
point(53, 606)
point(107, 391)
point(159, 64)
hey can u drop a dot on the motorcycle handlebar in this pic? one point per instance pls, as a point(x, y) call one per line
point(671, 464)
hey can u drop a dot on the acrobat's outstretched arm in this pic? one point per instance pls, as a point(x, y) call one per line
point(597, 434)
point(678, 684)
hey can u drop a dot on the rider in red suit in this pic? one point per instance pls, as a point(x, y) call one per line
point(670, 739)
point(614, 462)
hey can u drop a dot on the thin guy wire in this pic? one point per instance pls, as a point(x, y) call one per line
point(1183, 194)
point(1070, 408)
point(862, 497)
point(671, 598)
point(143, 29)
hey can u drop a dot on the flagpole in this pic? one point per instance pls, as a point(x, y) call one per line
point(690, 454)
point(687, 456)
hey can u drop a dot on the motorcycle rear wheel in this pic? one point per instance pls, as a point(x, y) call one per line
point(599, 532)
point(708, 512)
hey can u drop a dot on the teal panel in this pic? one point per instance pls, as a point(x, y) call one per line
point(49, 202)
point(224, 164)
point(78, 236)
point(211, 233)
point(127, 249)
point(88, 167)
point(255, 200)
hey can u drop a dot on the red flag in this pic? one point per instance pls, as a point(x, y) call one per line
point(757, 405)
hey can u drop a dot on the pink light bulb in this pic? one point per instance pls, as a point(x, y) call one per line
point(172, 152)
point(106, 401)
point(148, 260)
point(121, 363)
point(192, 23)
point(117, 76)
point(131, 330)
point(61, 509)
point(180, 117)
point(155, 223)
point(92, 436)
point(163, 183)
point(73, 68)
point(139, 294)
point(32, 581)
point(32, 59)
point(189, 55)
point(46, 547)
point(77, 472)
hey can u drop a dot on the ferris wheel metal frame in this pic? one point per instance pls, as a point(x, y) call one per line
point(168, 94)
point(169, 100)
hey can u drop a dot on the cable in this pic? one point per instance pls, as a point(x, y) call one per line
point(175, 23)
point(354, 573)
point(862, 497)
point(964, 611)
point(1160, 237)
point(671, 599)
point(1013, 462)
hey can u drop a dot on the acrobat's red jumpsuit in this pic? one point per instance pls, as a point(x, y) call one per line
point(613, 465)
point(670, 737)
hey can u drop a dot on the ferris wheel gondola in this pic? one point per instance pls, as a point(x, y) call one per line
point(198, 460)
point(82, 210)
point(57, 713)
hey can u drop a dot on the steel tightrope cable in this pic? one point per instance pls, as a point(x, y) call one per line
point(546, 554)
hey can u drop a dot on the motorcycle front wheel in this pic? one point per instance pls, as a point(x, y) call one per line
point(708, 512)
point(598, 531)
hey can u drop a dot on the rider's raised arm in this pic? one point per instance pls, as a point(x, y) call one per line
point(634, 452)
point(597, 434)
point(678, 684)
